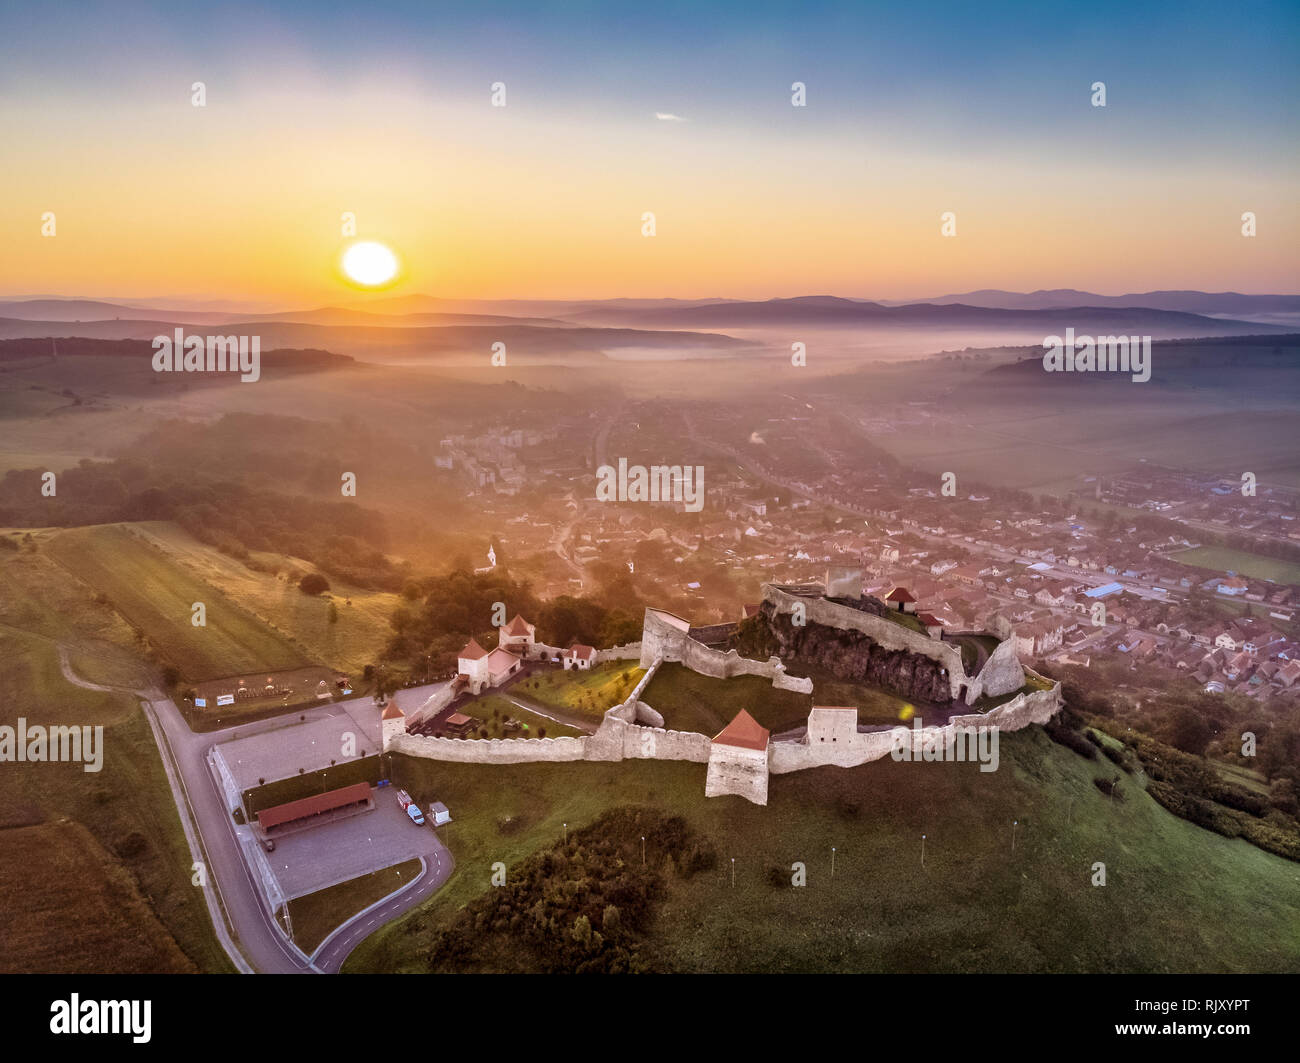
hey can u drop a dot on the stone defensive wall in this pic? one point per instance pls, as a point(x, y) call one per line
point(540, 651)
point(666, 637)
point(631, 730)
point(490, 750)
point(629, 652)
point(1001, 674)
point(634, 730)
point(433, 705)
point(830, 741)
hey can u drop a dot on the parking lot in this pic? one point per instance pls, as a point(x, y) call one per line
point(315, 859)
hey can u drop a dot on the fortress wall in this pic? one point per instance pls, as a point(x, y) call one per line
point(662, 641)
point(742, 772)
point(629, 652)
point(491, 750)
point(863, 747)
point(885, 633)
point(434, 705)
point(1021, 711)
point(1002, 672)
point(646, 716)
point(656, 743)
point(792, 682)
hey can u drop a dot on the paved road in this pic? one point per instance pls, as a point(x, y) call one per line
point(240, 918)
point(329, 957)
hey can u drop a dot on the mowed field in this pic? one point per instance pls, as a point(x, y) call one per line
point(155, 595)
point(1222, 559)
point(357, 639)
point(94, 865)
point(1176, 898)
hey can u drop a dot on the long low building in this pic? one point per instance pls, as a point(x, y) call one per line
point(317, 805)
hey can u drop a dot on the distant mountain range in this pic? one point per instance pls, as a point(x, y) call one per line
point(1191, 302)
point(417, 326)
point(825, 311)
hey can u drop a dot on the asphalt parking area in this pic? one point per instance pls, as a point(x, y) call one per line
point(315, 859)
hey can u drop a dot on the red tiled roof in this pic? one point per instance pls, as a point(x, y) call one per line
point(743, 731)
point(929, 620)
point(392, 712)
point(472, 651)
point(582, 652)
point(517, 626)
point(314, 805)
point(900, 594)
point(502, 658)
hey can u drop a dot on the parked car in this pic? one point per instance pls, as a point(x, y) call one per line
point(410, 808)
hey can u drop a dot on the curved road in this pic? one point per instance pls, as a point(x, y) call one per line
point(240, 917)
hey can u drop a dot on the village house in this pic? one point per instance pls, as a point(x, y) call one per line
point(578, 657)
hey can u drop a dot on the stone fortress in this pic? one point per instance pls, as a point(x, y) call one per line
point(832, 625)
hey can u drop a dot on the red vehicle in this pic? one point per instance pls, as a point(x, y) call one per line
point(410, 808)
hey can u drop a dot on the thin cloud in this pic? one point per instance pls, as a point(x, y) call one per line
point(663, 116)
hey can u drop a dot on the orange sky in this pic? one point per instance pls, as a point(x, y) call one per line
point(242, 200)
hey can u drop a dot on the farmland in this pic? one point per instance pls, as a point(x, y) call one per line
point(156, 595)
point(1255, 566)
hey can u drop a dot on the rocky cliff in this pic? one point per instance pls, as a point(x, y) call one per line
point(854, 656)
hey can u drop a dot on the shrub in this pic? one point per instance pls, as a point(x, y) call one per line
point(313, 583)
point(1071, 739)
point(1110, 787)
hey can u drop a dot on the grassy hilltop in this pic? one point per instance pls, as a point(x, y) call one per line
point(1177, 898)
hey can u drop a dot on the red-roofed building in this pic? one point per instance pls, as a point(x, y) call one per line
point(472, 663)
point(518, 635)
point(743, 731)
point(902, 599)
point(933, 625)
point(346, 798)
point(578, 656)
point(502, 664)
point(738, 760)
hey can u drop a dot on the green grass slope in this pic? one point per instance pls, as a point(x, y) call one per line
point(1177, 898)
point(155, 595)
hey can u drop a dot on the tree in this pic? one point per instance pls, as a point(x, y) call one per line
point(334, 613)
point(1189, 731)
point(582, 930)
point(313, 583)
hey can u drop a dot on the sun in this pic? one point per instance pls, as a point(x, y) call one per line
point(369, 263)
